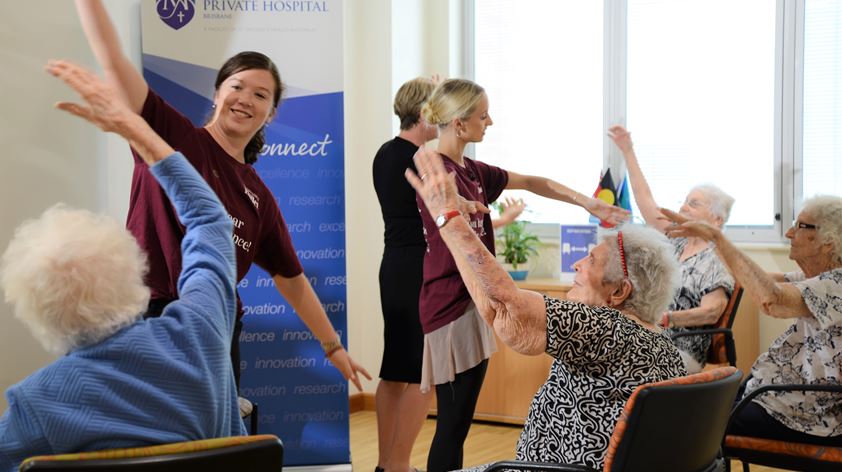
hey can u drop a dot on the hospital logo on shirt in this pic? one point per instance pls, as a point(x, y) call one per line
point(176, 13)
point(255, 200)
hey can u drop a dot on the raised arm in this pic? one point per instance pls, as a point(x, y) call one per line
point(119, 71)
point(518, 317)
point(780, 300)
point(642, 192)
point(551, 189)
point(207, 276)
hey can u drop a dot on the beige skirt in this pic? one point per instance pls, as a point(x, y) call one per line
point(456, 347)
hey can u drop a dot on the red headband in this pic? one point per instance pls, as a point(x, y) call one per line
point(622, 253)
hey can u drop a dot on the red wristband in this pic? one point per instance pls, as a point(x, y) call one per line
point(332, 351)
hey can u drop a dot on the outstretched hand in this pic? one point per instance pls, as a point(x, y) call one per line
point(436, 187)
point(511, 208)
point(102, 106)
point(621, 137)
point(610, 214)
point(349, 368)
point(683, 227)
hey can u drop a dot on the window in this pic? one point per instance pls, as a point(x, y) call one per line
point(700, 105)
point(746, 95)
point(543, 76)
point(822, 99)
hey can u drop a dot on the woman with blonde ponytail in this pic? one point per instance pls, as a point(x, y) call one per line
point(457, 342)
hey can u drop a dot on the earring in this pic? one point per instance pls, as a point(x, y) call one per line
point(458, 133)
point(213, 107)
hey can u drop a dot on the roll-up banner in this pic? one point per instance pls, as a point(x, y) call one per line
point(302, 398)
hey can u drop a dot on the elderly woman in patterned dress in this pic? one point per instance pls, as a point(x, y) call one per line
point(810, 351)
point(706, 284)
point(604, 337)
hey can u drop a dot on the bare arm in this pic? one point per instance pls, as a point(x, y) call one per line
point(551, 189)
point(640, 187)
point(119, 71)
point(300, 295)
point(778, 299)
point(518, 317)
point(708, 312)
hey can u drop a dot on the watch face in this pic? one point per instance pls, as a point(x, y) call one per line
point(441, 220)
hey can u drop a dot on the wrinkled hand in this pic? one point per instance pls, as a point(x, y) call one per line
point(469, 207)
point(683, 227)
point(608, 213)
point(436, 187)
point(621, 137)
point(348, 367)
point(102, 106)
point(510, 209)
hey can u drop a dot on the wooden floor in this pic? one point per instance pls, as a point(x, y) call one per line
point(486, 443)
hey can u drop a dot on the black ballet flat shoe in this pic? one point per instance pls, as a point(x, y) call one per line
point(379, 469)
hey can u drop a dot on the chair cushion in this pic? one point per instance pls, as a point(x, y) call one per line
point(811, 451)
point(160, 450)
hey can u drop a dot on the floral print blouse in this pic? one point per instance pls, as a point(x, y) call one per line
point(701, 274)
point(809, 352)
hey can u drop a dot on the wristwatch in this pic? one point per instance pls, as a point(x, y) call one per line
point(443, 218)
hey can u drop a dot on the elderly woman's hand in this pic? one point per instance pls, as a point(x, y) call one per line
point(621, 137)
point(103, 108)
point(683, 227)
point(436, 187)
point(609, 213)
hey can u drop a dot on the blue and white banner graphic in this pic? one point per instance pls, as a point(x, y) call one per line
point(576, 242)
point(302, 398)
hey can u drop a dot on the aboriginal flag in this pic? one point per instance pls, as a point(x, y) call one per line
point(606, 192)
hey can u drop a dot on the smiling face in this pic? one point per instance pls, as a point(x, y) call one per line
point(244, 103)
point(472, 128)
point(589, 286)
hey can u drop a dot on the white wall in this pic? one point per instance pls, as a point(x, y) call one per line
point(50, 157)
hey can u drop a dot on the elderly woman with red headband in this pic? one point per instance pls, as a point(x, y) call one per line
point(604, 337)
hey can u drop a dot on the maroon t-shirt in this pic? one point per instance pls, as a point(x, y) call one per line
point(444, 296)
point(260, 234)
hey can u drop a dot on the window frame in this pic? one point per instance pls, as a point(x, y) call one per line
point(788, 106)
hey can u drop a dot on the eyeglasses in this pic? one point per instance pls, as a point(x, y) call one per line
point(801, 225)
point(622, 253)
point(696, 203)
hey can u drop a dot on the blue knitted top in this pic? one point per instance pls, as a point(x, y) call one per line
point(160, 380)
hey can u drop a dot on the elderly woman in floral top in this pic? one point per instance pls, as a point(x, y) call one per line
point(706, 284)
point(810, 351)
point(604, 337)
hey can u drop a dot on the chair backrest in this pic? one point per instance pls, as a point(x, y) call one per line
point(676, 424)
point(718, 353)
point(241, 453)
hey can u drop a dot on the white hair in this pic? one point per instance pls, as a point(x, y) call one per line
point(720, 202)
point(74, 277)
point(827, 211)
point(653, 269)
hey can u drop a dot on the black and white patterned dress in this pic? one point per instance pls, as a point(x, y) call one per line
point(601, 356)
point(810, 352)
point(701, 274)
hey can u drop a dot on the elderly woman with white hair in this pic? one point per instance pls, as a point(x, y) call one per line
point(604, 337)
point(76, 280)
point(706, 284)
point(810, 351)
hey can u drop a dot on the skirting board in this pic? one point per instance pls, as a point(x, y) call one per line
point(321, 468)
point(361, 402)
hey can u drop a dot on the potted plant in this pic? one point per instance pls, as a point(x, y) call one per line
point(515, 244)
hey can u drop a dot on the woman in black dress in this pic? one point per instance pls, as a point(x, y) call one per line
point(401, 407)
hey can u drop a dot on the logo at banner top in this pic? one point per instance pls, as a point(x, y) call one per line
point(176, 13)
